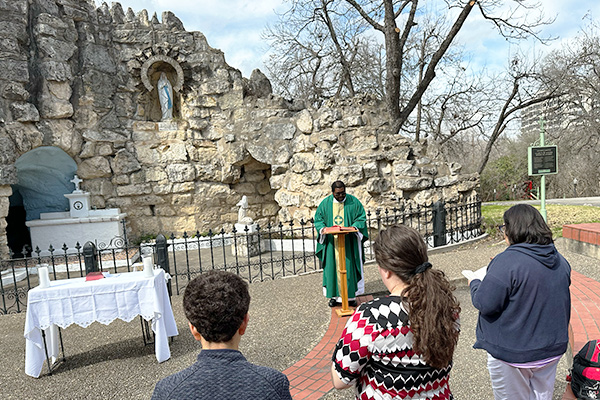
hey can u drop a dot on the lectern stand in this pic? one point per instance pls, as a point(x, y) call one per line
point(341, 233)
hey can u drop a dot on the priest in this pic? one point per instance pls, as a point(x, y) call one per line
point(341, 209)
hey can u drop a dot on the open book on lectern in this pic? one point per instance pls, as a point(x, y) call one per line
point(337, 229)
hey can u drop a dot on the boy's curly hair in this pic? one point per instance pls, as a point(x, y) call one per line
point(216, 303)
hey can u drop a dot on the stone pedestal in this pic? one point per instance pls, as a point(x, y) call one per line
point(247, 241)
point(79, 204)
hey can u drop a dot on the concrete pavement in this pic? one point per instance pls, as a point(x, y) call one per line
point(288, 319)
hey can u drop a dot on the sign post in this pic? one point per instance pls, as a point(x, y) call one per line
point(542, 160)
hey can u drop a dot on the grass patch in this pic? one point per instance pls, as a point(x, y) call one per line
point(558, 215)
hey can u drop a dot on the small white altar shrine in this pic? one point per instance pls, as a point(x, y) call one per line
point(80, 224)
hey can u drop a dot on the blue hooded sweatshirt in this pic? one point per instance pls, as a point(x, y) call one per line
point(524, 304)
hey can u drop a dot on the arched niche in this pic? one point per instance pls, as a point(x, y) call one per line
point(43, 178)
point(254, 182)
point(150, 73)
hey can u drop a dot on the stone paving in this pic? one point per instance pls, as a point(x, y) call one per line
point(310, 377)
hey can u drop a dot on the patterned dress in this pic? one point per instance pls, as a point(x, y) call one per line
point(376, 353)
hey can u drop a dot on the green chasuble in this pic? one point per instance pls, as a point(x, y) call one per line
point(354, 215)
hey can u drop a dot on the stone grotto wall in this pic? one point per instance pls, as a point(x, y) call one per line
point(84, 80)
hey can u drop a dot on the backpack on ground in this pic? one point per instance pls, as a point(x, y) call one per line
point(585, 374)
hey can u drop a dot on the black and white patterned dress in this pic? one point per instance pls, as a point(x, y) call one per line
point(376, 353)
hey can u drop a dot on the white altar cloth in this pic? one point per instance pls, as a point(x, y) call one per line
point(75, 301)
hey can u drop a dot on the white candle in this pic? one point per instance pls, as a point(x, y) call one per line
point(44, 277)
point(148, 265)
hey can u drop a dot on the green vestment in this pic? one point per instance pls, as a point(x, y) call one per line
point(354, 215)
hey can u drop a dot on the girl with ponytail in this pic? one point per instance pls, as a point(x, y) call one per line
point(401, 346)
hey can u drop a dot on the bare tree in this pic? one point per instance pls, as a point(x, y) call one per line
point(516, 25)
point(454, 105)
point(482, 110)
point(527, 87)
point(318, 52)
point(324, 47)
point(463, 108)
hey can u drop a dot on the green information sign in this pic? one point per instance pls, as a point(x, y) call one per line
point(542, 160)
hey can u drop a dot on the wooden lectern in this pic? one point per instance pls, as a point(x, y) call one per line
point(341, 232)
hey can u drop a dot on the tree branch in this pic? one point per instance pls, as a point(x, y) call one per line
point(430, 72)
point(366, 16)
point(517, 31)
point(401, 8)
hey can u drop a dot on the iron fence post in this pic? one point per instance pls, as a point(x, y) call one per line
point(162, 257)
point(439, 224)
point(89, 257)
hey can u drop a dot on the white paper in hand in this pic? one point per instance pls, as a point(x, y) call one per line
point(479, 274)
point(470, 275)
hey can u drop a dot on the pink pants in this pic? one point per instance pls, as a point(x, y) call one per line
point(510, 383)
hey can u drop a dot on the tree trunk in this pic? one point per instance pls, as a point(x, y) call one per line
point(420, 104)
point(393, 61)
point(430, 72)
point(346, 76)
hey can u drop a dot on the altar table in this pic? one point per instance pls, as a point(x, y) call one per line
point(75, 301)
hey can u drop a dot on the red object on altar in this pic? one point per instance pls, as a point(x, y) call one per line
point(92, 276)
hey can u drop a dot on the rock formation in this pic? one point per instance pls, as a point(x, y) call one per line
point(84, 80)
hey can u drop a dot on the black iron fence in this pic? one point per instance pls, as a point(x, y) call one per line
point(255, 253)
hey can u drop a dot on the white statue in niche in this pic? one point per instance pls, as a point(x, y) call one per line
point(243, 217)
point(165, 96)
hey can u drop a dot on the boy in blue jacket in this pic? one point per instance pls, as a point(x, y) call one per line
point(216, 305)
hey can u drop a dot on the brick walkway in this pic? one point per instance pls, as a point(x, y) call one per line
point(310, 378)
point(585, 312)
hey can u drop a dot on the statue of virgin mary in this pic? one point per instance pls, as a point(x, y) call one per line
point(165, 96)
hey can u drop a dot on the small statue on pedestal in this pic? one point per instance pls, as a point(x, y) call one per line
point(249, 245)
point(243, 217)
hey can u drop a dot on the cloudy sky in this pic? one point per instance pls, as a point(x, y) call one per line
point(235, 27)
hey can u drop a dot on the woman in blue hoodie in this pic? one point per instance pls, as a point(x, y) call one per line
point(524, 308)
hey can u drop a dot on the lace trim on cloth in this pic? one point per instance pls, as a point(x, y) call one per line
point(85, 324)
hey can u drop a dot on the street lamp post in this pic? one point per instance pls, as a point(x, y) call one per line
point(575, 187)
